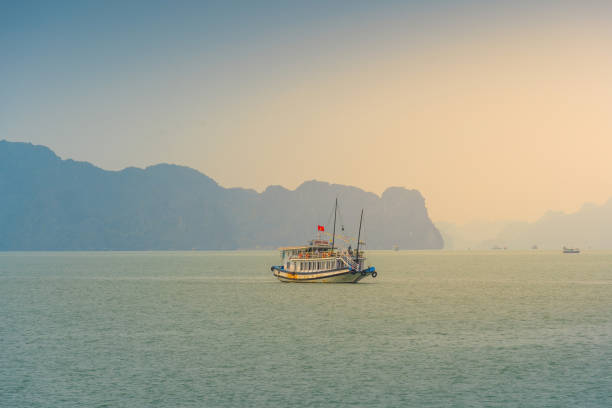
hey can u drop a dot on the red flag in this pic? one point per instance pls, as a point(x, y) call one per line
point(320, 228)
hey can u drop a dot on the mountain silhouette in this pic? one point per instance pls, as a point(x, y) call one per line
point(588, 228)
point(47, 203)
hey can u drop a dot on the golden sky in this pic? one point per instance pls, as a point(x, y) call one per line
point(497, 123)
point(492, 112)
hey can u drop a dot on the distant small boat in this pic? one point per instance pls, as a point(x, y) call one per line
point(567, 250)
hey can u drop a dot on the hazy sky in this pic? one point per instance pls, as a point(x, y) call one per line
point(493, 110)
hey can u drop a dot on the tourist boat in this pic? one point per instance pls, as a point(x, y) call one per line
point(567, 250)
point(321, 261)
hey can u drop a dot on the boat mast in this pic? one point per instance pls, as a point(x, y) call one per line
point(334, 234)
point(359, 238)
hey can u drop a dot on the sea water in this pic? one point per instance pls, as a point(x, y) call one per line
point(216, 329)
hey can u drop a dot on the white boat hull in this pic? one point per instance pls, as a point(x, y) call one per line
point(332, 276)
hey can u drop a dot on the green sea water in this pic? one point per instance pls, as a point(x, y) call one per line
point(215, 329)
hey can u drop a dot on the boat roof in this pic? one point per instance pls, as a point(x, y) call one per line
point(315, 243)
point(293, 247)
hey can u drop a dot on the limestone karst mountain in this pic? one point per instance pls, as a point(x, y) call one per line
point(47, 203)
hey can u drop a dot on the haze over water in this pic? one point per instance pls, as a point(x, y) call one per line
point(493, 111)
point(215, 329)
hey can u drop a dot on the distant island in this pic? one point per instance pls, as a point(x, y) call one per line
point(588, 228)
point(47, 203)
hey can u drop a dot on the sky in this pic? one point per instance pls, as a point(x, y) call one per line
point(493, 110)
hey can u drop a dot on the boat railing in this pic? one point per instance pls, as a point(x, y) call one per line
point(347, 257)
point(313, 255)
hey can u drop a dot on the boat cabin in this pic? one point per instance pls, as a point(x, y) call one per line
point(317, 256)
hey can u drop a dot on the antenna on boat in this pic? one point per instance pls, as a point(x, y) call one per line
point(334, 234)
point(359, 238)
